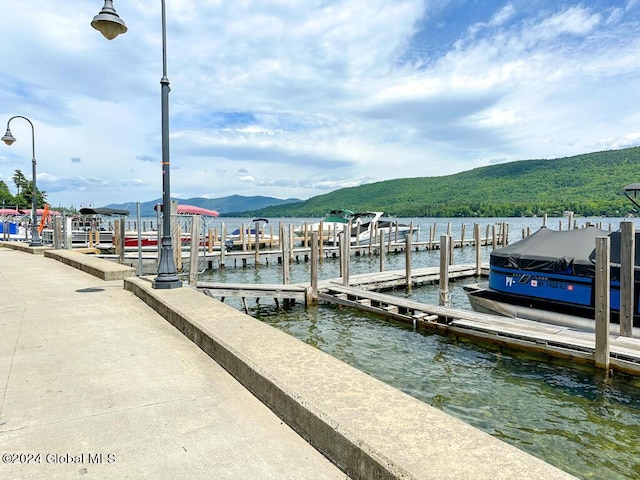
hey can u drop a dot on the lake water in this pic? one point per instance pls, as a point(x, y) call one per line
point(568, 415)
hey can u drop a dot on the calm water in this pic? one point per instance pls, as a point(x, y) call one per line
point(568, 415)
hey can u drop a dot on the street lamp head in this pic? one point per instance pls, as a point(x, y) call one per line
point(108, 23)
point(8, 138)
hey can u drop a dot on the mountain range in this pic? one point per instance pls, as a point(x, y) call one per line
point(223, 205)
point(589, 185)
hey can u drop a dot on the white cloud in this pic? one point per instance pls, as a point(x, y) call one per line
point(291, 98)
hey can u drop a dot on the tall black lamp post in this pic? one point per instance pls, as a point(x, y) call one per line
point(111, 25)
point(9, 139)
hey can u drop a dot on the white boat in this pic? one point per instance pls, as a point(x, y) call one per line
point(333, 223)
point(247, 238)
point(369, 227)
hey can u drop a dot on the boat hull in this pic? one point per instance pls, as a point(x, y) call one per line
point(484, 299)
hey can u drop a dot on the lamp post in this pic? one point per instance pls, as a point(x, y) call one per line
point(111, 25)
point(9, 139)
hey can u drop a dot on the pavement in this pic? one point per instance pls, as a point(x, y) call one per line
point(111, 378)
point(95, 384)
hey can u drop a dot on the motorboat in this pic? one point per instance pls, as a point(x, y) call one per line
point(247, 237)
point(331, 225)
point(549, 276)
point(369, 227)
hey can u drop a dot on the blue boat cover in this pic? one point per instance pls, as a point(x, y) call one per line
point(569, 251)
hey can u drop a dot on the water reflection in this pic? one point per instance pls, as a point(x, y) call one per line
point(565, 414)
point(569, 415)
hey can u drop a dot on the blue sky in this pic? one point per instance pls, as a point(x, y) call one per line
point(296, 98)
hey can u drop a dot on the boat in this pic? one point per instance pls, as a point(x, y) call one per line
point(12, 224)
point(149, 239)
point(238, 237)
point(333, 223)
point(549, 276)
point(367, 227)
point(190, 210)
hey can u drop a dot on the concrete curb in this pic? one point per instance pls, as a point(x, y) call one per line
point(367, 428)
point(98, 267)
point(25, 247)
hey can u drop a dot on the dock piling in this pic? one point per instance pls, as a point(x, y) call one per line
point(627, 249)
point(602, 305)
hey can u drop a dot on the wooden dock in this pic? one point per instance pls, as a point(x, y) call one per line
point(363, 293)
point(278, 292)
point(552, 340)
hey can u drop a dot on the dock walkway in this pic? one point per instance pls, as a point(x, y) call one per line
point(97, 383)
point(364, 293)
point(553, 340)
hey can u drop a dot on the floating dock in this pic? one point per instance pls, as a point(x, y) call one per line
point(362, 294)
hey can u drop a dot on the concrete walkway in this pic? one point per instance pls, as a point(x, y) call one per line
point(95, 384)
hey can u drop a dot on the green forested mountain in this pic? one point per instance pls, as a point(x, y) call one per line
point(222, 204)
point(589, 185)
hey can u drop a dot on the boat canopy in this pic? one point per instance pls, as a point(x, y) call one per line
point(339, 216)
point(568, 251)
point(190, 210)
point(104, 211)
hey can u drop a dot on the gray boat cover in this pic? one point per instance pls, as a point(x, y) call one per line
point(103, 211)
point(569, 251)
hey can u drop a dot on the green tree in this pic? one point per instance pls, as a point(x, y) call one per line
point(5, 195)
point(20, 180)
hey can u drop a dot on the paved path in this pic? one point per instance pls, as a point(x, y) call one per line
point(95, 384)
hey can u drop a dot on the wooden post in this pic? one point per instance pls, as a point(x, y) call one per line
point(139, 240)
point(291, 242)
point(444, 299)
point(285, 260)
point(407, 262)
point(486, 238)
point(314, 267)
point(476, 233)
point(462, 235)
point(306, 234)
point(257, 245)
point(381, 251)
point(68, 234)
point(321, 244)
point(176, 235)
point(345, 247)
point(627, 255)
point(451, 244)
point(116, 237)
point(602, 299)
point(56, 232)
point(494, 240)
point(432, 235)
point(91, 235)
point(210, 240)
point(544, 220)
point(195, 249)
point(122, 231)
point(223, 243)
point(242, 237)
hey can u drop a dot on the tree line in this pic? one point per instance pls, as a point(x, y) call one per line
point(24, 193)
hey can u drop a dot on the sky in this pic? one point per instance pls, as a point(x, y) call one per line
point(297, 98)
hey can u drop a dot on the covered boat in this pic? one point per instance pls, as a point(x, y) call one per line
point(550, 276)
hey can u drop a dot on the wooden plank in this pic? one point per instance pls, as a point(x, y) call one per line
point(516, 333)
point(602, 301)
point(627, 254)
